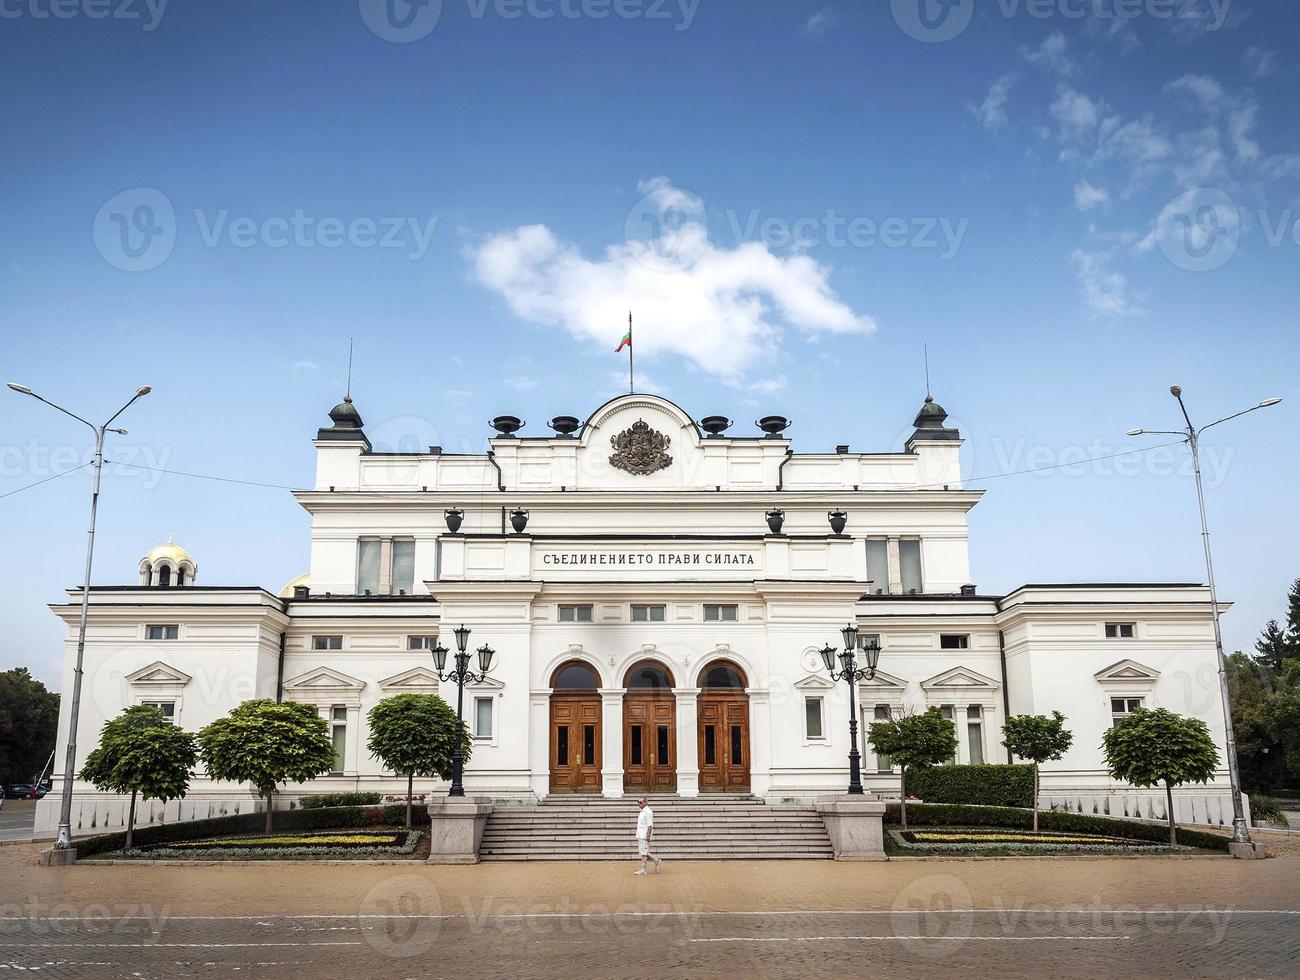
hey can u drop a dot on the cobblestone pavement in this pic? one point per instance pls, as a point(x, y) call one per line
point(1104, 917)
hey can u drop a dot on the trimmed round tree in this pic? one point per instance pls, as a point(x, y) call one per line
point(1039, 739)
point(1148, 748)
point(914, 742)
point(140, 752)
point(266, 744)
point(414, 734)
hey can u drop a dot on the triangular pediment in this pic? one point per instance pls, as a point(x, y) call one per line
point(324, 679)
point(814, 682)
point(960, 678)
point(883, 682)
point(159, 673)
point(487, 684)
point(1127, 670)
point(417, 680)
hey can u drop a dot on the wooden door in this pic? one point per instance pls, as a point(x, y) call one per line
point(575, 743)
point(649, 743)
point(724, 743)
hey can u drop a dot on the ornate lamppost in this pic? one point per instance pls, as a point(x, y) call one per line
point(461, 673)
point(850, 672)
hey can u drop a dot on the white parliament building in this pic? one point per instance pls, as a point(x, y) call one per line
point(656, 590)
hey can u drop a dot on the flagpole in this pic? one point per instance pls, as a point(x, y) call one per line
point(631, 374)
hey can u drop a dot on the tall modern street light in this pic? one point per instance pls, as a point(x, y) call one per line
point(64, 839)
point(460, 673)
point(850, 672)
point(1192, 435)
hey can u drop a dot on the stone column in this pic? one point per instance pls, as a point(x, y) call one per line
point(895, 560)
point(760, 740)
point(688, 733)
point(611, 742)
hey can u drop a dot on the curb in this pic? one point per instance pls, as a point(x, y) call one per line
point(168, 863)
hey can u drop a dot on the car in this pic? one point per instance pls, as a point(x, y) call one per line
point(24, 791)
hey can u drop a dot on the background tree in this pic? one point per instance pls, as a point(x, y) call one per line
point(29, 719)
point(1039, 739)
point(414, 734)
point(1148, 748)
point(914, 741)
point(1274, 647)
point(141, 752)
point(266, 744)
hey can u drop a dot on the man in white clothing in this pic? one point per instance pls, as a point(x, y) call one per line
point(645, 831)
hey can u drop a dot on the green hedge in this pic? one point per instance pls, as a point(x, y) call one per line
point(941, 815)
point(992, 785)
point(320, 800)
point(252, 823)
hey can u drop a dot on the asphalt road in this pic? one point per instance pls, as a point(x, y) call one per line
point(17, 819)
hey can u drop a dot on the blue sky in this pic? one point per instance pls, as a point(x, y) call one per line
point(1073, 212)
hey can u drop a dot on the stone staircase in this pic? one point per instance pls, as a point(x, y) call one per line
point(713, 827)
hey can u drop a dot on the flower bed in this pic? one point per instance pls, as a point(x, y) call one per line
point(357, 844)
point(985, 840)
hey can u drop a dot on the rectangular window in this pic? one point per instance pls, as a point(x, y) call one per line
point(588, 745)
point(909, 559)
point(637, 751)
point(878, 565)
point(737, 755)
point(1119, 631)
point(648, 614)
point(662, 745)
point(975, 734)
point(710, 745)
point(162, 632)
point(403, 566)
point(1119, 707)
point(954, 641)
point(575, 614)
point(719, 614)
point(368, 551)
point(327, 643)
point(562, 745)
point(421, 642)
point(483, 717)
point(883, 763)
point(812, 713)
point(339, 730)
point(168, 708)
point(949, 712)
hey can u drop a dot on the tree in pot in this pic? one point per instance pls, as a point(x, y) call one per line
point(1039, 739)
point(266, 744)
point(914, 741)
point(140, 752)
point(1148, 748)
point(414, 734)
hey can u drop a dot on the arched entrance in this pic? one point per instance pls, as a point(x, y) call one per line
point(723, 709)
point(649, 730)
point(575, 729)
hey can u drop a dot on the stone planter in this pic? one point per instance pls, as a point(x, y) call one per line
point(456, 829)
point(855, 825)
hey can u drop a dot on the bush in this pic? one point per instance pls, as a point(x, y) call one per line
point(940, 815)
point(326, 818)
point(320, 800)
point(993, 785)
point(1267, 809)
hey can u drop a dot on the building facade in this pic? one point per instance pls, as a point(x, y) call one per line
point(657, 592)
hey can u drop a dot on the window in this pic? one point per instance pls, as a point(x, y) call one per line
point(812, 714)
point(327, 643)
point(1120, 707)
point(1119, 631)
point(385, 566)
point(421, 642)
point(368, 552)
point(878, 565)
point(949, 712)
point(575, 614)
point(168, 708)
point(339, 732)
point(719, 614)
point(162, 632)
point(975, 734)
point(954, 641)
point(403, 566)
point(909, 558)
point(164, 576)
point(882, 713)
point(648, 614)
point(483, 717)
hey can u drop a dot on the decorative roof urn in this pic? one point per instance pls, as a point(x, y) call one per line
point(775, 519)
point(453, 517)
point(838, 520)
point(519, 520)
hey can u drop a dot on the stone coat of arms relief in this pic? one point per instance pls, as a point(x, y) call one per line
point(640, 449)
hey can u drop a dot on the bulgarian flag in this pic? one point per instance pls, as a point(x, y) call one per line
point(627, 338)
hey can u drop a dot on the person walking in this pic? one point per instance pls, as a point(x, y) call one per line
point(645, 832)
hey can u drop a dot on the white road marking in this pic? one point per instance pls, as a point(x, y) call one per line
point(955, 939)
point(164, 945)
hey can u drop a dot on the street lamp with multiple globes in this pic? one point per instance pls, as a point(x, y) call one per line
point(1192, 436)
point(849, 671)
point(461, 673)
point(64, 838)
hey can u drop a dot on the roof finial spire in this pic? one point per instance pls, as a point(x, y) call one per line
point(347, 395)
point(925, 350)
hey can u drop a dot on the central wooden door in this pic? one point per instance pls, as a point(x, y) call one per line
point(649, 742)
point(575, 743)
point(724, 742)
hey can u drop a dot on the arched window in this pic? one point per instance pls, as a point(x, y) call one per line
point(575, 676)
point(648, 675)
point(180, 577)
point(164, 576)
point(723, 675)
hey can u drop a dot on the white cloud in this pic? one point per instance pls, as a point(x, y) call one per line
point(521, 383)
point(1087, 197)
point(1053, 54)
point(1105, 291)
point(1077, 117)
point(724, 309)
point(1237, 113)
point(992, 112)
point(1260, 63)
point(306, 366)
point(820, 23)
point(762, 386)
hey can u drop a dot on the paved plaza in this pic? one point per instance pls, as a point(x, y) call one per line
point(1122, 917)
